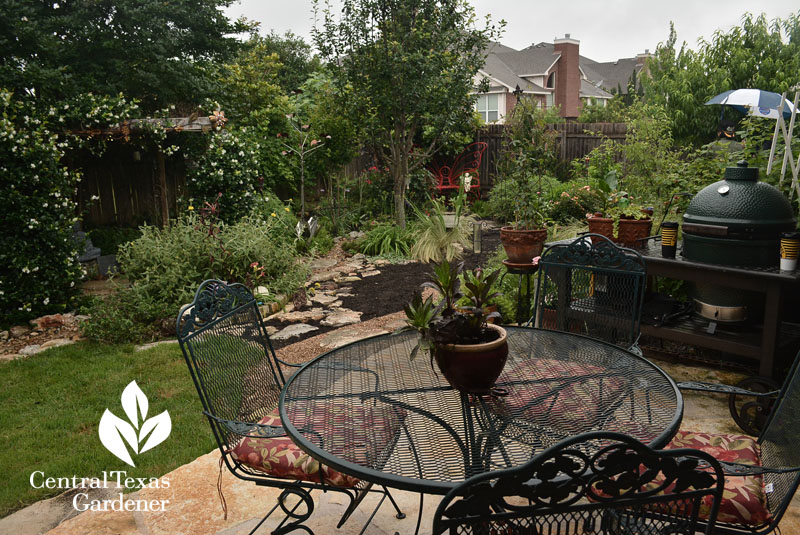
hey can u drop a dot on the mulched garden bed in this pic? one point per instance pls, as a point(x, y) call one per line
point(387, 292)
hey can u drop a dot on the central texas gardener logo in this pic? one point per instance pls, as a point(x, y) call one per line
point(115, 432)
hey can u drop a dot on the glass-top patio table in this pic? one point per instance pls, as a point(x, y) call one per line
point(554, 385)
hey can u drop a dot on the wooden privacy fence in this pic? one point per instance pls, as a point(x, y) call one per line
point(575, 140)
point(123, 187)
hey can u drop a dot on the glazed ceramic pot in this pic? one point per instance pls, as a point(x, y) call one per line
point(473, 368)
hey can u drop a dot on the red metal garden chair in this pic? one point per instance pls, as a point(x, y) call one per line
point(448, 177)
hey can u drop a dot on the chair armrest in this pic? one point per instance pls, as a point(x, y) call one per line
point(248, 429)
point(739, 469)
point(723, 389)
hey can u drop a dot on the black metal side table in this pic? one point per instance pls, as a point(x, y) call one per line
point(523, 271)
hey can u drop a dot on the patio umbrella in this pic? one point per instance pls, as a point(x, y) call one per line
point(754, 102)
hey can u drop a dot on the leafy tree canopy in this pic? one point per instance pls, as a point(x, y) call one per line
point(410, 66)
point(297, 63)
point(151, 50)
point(758, 54)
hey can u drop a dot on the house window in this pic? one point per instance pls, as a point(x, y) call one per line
point(487, 107)
point(551, 80)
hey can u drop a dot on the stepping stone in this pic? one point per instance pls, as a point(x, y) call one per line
point(341, 317)
point(294, 330)
point(323, 263)
point(349, 278)
point(324, 276)
point(345, 336)
point(315, 314)
point(324, 299)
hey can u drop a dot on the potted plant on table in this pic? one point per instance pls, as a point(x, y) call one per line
point(632, 220)
point(470, 351)
point(525, 239)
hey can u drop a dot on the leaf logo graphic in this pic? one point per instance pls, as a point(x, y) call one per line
point(116, 432)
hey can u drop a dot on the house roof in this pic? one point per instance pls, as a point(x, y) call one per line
point(496, 68)
point(509, 66)
point(588, 89)
point(613, 75)
point(535, 59)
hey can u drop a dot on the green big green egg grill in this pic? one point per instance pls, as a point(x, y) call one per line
point(734, 222)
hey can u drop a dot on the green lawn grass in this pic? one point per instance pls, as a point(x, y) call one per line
point(51, 404)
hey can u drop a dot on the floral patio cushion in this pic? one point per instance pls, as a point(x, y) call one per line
point(743, 500)
point(364, 434)
point(575, 406)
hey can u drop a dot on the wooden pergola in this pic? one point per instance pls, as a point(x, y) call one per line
point(191, 124)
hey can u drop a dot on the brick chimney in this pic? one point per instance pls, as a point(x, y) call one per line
point(568, 76)
point(642, 58)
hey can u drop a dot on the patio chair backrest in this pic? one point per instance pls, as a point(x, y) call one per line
point(597, 482)
point(779, 444)
point(469, 161)
point(590, 286)
point(229, 355)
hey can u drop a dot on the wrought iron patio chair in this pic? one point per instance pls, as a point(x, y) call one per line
point(761, 475)
point(598, 482)
point(593, 287)
point(239, 379)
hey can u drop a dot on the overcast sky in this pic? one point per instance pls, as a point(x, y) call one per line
point(608, 30)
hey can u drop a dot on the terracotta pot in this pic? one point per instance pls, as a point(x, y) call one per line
point(631, 230)
point(601, 225)
point(473, 368)
point(522, 246)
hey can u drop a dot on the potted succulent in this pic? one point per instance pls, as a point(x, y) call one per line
point(525, 239)
point(470, 351)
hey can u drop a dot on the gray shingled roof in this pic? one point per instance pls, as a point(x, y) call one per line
point(613, 74)
point(535, 59)
point(497, 69)
point(508, 65)
point(590, 90)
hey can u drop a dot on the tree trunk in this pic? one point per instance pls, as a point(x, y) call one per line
point(399, 174)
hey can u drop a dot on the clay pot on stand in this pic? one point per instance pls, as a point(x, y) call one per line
point(522, 246)
point(473, 368)
point(632, 230)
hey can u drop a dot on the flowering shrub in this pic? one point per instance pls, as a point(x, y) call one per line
point(573, 202)
point(229, 164)
point(165, 267)
point(38, 258)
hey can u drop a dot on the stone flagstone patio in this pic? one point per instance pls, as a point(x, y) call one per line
point(194, 506)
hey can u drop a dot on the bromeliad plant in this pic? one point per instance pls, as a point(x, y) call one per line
point(445, 323)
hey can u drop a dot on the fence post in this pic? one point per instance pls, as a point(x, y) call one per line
point(162, 187)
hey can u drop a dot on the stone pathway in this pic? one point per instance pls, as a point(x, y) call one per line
point(323, 308)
